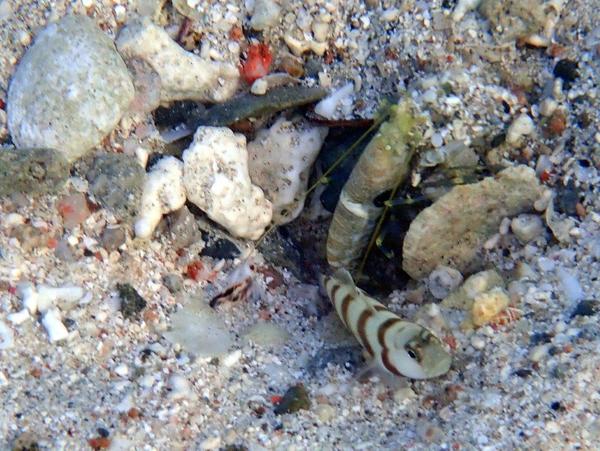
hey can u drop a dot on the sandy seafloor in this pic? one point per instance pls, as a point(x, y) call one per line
point(532, 384)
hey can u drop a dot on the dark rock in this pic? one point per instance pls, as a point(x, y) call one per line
point(295, 399)
point(586, 307)
point(177, 113)
point(249, 105)
point(32, 171)
point(280, 249)
point(182, 228)
point(173, 282)
point(112, 238)
point(219, 247)
point(567, 70)
point(116, 181)
point(567, 198)
point(348, 357)
point(539, 338)
point(131, 301)
point(523, 372)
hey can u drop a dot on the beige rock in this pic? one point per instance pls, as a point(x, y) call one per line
point(453, 230)
point(183, 75)
point(479, 283)
point(489, 305)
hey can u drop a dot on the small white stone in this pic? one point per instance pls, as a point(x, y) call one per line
point(404, 395)
point(570, 286)
point(142, 156)
point(522, 126)
point(211, 443)
point(477, 342)
point(259, 87)
point(265, 15)
point(13, 219)
point(548, 106)
point(180, 387)
point(232, 358)
point(538, 353)
point(54, 327)
point(552, 427)
point(390, 15)
point(328, 106)
point(463, 7)
point(121, 370)
point(19, 317)
point(87, 3)
point(325, 412)
point(120, 13)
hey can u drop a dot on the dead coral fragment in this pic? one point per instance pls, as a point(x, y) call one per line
point(382, 166)
point(453, 230)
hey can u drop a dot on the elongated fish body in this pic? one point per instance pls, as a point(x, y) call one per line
point(400, 347)
point(383, 164)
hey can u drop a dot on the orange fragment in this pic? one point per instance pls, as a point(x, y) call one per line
point(257, 63)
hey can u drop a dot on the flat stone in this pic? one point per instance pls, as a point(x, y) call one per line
point(69, 90)
point(116, 181)
point(453, 230)
point(32, 171)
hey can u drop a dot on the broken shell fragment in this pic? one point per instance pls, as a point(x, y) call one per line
point(453, 230)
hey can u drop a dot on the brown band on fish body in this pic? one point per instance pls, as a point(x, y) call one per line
point(384, 327)
point(334, 290)
point(344, 309)
point(385, 359)
point(361, 330)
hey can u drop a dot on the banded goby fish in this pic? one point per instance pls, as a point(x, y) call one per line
point(399, 347)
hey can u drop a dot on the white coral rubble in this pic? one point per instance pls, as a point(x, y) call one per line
point(183, 75)
point(163, 193)
point(216, 179)
point(280, 159)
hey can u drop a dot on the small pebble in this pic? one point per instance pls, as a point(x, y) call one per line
point(325, 412)
point(112, 238)
point(538, 353)
point(295, 399)
point(586, 308)
point(527, 227)
point(552, 427)
point(131, 301)
point(477, 342)
point(121, 370)
point(521, 126)
point(173, 282)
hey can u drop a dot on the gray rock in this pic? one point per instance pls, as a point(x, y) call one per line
point(116, 181)
point(173, 282)
point(112, 238)
point(33, 171)
point(69, 90)
point(182, 228)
